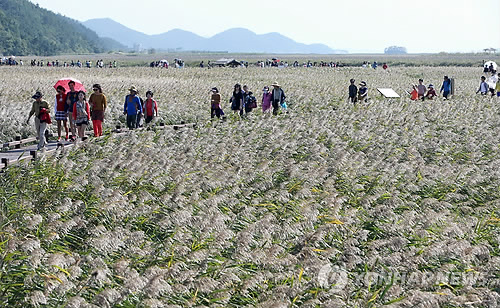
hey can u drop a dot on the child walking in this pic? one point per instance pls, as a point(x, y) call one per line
point(150, 107)
point(215, 99)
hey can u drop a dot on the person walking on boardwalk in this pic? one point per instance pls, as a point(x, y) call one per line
point(61, 110)
point(244, 91)
point(431, 93)
point(414, 93)
point(250, 102)
point(237, 99)
point(71, 99)
point(278, 97)
point(363, 92)
point(81, 114)
point(98, 105)
point(497, 87)
point(483, 87)
point(150, 107)
point(138, 119)
point(266, 100)
point(215, 99)
point(446, 87)
point(353, 91)
point(421, 89)
point(41, 110)
point(131, 107)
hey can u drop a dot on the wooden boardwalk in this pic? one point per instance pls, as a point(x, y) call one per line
point(12, 156)
point(19, 150)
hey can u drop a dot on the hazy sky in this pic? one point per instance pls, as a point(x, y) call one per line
point(356, 26)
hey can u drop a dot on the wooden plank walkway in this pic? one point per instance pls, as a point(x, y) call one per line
point(27, 148)
point(29, 152)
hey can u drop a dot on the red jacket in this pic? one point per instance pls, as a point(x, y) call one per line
point(150, 106)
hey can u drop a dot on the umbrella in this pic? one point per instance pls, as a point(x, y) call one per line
point(64, 82)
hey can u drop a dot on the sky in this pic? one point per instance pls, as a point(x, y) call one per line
point(422, 26)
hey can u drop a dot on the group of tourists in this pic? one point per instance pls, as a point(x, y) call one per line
point(78, 63)
point(243, 100)
point(490, 85)
point(135, 108)
point(422, 92)
point(358, 95)
point(419, 91)
point(10, 61)
point(72, 107)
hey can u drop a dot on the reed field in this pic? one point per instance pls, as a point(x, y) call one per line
point(390, 203)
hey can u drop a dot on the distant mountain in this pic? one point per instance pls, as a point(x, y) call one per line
point(106, 27)
point(232, 40)
point(27, 29)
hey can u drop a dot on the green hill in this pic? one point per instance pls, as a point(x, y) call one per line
point(27, 29)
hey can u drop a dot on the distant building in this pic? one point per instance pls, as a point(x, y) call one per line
point(137, 47)
point(226, 62)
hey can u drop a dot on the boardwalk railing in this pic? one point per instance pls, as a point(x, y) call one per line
point(22, 151)
point(19, 142)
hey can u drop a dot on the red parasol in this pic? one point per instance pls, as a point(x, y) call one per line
point(64, 82)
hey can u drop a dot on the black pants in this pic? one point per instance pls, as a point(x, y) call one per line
point(215, 112)
point(276, 107)
point(131, 120)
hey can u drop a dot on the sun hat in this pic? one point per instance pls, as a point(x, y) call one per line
point(132, 88)
point(276, 84)
point(38, 94)
point(362, 83)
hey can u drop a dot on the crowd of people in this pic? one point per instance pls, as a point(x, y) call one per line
point(243, 101)
point(423, 92)
point(78, 63)
point(490, 85)
point(178, 63)
point(10, 61)
point(419, 91)
point(72, 106)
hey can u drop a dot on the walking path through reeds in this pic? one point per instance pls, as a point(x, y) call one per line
point(22, 149)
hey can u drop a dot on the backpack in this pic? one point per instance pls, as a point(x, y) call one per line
point(252, 102)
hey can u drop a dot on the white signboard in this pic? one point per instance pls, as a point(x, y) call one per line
point(388, 92)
